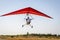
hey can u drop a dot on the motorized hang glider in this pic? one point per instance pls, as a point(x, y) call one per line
point(28, 10)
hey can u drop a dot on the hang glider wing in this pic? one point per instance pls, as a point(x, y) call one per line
point(36, 12)
point(21, 11)
point(27, 10)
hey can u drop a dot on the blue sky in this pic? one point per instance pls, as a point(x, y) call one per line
point(12, 24)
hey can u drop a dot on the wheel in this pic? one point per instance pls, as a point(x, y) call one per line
point(31, 26)
point(22, 25)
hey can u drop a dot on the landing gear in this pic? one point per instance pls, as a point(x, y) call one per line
point(29, 25)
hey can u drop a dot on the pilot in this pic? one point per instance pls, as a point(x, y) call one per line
point(28, 21)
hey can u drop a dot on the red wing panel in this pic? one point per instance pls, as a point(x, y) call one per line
point(27, 10)
point(35, 12)
point(22, 11)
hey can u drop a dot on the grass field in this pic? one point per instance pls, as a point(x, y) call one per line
point(30, 37)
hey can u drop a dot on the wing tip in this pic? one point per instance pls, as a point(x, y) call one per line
point(0, 16)
point(52, 18)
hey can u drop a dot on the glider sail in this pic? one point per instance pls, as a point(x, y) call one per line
point(27, 10)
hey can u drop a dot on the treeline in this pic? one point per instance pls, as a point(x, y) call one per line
point(54, 35)
point(36, 35)
point(43, 35)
